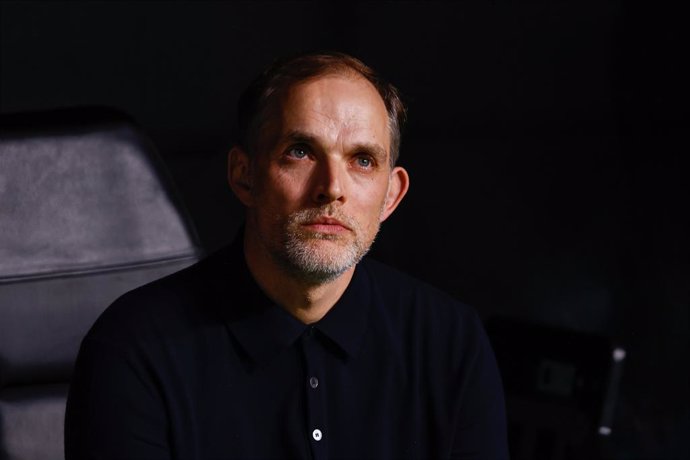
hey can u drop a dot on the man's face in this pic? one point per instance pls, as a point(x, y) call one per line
point(321, 181)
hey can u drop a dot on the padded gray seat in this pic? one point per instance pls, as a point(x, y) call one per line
point(87, 213)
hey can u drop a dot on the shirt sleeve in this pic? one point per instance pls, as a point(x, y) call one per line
point(113, 408)
point(481, 432)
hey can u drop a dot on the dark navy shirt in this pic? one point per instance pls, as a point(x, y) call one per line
point(202, 365)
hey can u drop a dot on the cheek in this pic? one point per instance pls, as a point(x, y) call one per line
point(279, 191)
point(371, 208)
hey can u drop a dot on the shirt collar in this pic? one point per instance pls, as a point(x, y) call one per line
point(264, 329)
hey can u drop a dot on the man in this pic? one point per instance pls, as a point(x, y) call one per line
point(288, 344)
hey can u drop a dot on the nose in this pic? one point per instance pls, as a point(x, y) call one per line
point(328, 182)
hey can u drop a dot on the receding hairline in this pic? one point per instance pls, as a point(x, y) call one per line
point(279, 98)
point(267, 89)
point(279, 104)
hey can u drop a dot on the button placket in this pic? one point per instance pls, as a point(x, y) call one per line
point(315, 400)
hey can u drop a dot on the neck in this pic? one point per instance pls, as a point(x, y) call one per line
point(306, 300)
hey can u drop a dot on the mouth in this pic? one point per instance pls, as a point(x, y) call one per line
point(328, 225)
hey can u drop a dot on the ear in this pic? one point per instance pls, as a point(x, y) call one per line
point(397, 188)
point(240, 176)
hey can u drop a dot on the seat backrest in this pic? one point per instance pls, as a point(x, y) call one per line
point(87, 213)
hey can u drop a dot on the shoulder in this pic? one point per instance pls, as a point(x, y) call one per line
point(400, 290)
point(427, 327)
point(167, 306)
point(421, 308)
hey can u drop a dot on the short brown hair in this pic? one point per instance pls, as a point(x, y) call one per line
point(268, 87)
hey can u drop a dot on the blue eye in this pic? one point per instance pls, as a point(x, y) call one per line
point(364, 162)
point(298, 151)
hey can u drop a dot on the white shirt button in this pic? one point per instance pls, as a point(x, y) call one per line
point(313, 382)
point(316, 434)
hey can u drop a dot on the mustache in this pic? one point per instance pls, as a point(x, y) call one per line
point(307, 215)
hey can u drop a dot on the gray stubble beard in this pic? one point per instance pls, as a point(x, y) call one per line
point(304, 263)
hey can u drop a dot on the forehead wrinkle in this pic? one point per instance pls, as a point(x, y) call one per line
point(327, 122)
point(373, 148)
point(324, 117)
point(328, 129)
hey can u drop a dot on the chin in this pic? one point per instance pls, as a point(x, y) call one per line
point(318, 260)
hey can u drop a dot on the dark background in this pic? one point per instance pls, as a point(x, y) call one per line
point(543, 145)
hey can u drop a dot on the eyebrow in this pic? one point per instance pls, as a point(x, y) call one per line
point(374, 150)
point(300, 136)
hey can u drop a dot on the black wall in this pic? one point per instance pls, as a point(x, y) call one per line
point(543, 145)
